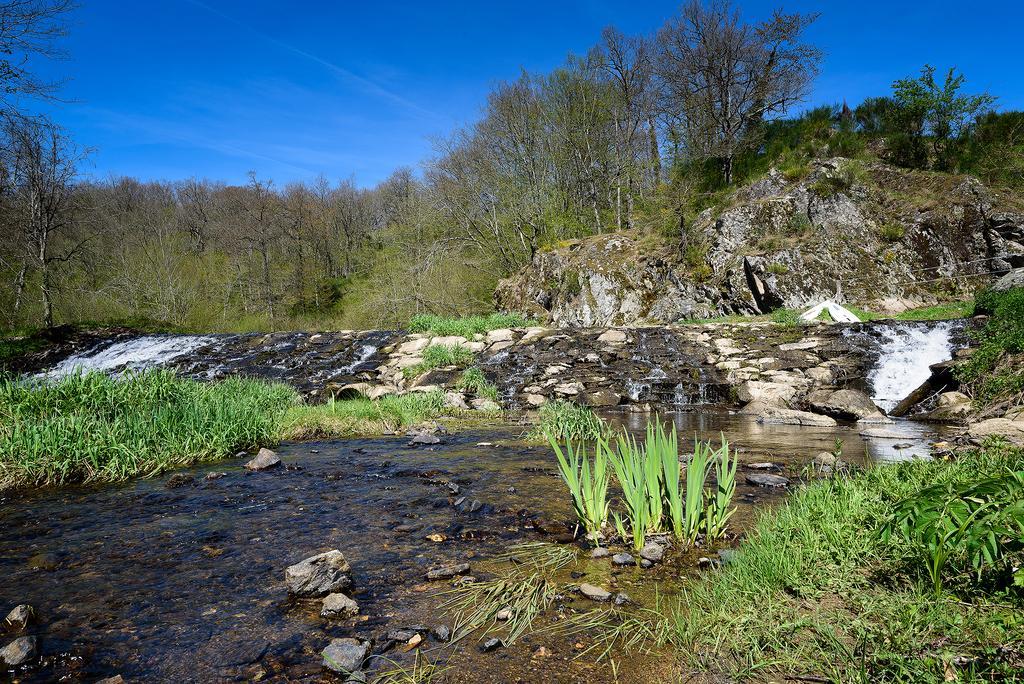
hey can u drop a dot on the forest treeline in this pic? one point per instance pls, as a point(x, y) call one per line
point(640, 133)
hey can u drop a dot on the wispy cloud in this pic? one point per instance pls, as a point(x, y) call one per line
point(367, 84)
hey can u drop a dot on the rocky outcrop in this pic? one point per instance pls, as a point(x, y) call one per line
point(862, 233)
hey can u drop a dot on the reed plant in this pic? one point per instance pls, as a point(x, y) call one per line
point(587, 481)
point(638, 471)
point(719, 508)
point(696, 476)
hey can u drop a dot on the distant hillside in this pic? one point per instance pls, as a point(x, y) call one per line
point(865, 233)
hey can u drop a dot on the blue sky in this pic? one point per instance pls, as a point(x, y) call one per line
point(175, 89)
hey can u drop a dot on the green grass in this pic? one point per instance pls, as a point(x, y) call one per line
point(362, 416)
point(15, 344)
point(816, 591)
point(92, 428)
point(474, 381)
point(466, 326)
point(564, 420)
point(790, 317)
point(994, 372)
point(439, 356)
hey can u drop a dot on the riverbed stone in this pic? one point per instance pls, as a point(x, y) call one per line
point(951, 407)
point(485, 404)
point(594, 593)
point(603, 397)
point(769, 392)
point(623, 559)
point(600, 552)
point(337, 605)
point(491, 644)
point(769, 413)
point(845, 403)
point(264, 459)
point(19, 652)
point(345, 655)
point(766, 480)
point(653, 552)
point(455, 400)
point(319, 575)
point(612, 336)
point(447, 571)
point(1011, 430)
point(19, 617)
point(424, 439)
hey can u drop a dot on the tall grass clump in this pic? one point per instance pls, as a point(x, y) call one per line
point(564, 420)
point(466, 326)
point(92, 427)
point(719, 505)
point(638, 471)
point(361, 416)
point(439, 356)
point(587, 481)
point(473, 380)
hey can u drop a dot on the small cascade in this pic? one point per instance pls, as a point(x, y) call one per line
point(906, 353)
point(138, 353)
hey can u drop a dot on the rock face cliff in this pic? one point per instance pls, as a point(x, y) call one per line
point(862, 233)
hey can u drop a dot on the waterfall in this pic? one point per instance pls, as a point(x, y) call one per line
point(136, 354)
point(907, 351)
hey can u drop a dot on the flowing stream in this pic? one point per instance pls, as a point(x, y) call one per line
point(906, 353)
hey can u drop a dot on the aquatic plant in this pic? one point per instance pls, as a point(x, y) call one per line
point(638, 471)
point(565, 420)
point(719, 508)
point(422, 671)
point(91, 427)
point(587, 481)
point(466, 326)
point(696, 476)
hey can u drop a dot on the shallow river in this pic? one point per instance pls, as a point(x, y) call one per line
point(181, 578)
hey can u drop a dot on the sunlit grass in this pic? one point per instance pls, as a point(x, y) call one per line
point(564, 420)
point(362, 416)
point(466, 326)
point(439, 356)
point(92, 427)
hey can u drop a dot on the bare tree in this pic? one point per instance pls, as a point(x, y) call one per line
point(723, 77)
point(41, 164)
point(28, 28)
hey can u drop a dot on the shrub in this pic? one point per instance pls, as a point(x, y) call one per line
point(778, 268)
point(891, 232)
point(1002, 335)
point(829, 186)
point(798, 225)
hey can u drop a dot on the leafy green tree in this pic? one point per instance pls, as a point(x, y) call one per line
point(937, 113)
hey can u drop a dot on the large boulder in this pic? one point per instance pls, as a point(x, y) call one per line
point(768, 392)
point(319, 575)
point(952, 407)
point(1011, 429)
point(845, 403)
point(770, 413)
point(263, 460)
point(1011, 280)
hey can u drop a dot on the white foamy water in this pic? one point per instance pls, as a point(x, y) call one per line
point(138, 353)
point(903, 364)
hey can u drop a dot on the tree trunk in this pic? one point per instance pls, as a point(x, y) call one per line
point(19, 290)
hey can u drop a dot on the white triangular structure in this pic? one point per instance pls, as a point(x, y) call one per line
point(838, 313)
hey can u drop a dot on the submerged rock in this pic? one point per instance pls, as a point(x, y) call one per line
point(19, 617)
point(338, 605)
point(424, 439)
point(20, 651)
point(600, 552)
point(652, 552)
point(492, 644)
point(264, 459)
point(319, 575)
point(623, 559)
point(766, 480)
point(448, 571)
point(594, 593)
point(345, 655)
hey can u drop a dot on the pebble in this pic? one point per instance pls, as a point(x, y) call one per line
point(652, 552)
point(491, 645)
point(442, 632)
point(594, 593)
point(339, 606)
point(762, 466)
point(644, 563)
point(623, 559)
point(600, 552)
point(503, 615)
point(424, 439)
point(622, 598)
